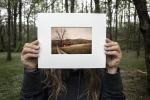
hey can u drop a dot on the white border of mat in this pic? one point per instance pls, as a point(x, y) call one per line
point(95, 60)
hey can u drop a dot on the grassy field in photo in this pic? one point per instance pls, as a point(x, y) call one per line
point(77, 47)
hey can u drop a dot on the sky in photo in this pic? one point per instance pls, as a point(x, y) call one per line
point(73, 33)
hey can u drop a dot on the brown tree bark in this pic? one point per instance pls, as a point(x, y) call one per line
point(145, 29)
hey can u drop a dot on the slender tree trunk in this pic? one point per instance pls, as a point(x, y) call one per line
point(15, 25)
point(20, 24)
point(135, 40)
point(121, 19)
point(72, 6)
point(91, 6)
point(28, 31)
point(86, 7)
point(116, 30)
point(82, 7)
point(129, 28)
point(97, 7)
point(110, 18)
point(8, 32)
point(138, 44)
point(66, 6)
point(52, 6)
point(46, 8)
point(145, 29)
point(2, 37)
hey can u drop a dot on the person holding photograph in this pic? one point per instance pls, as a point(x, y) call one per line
point(72, 84)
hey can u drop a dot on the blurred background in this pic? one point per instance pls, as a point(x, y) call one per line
point(128, 23)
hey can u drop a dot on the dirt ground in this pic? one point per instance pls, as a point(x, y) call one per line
point(134, 82)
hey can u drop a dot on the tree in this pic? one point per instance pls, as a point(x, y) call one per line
point(129, 27)
point(109, 4)
point(60, 35)
point(66, 6)
point(72, 6)
point(145, 30)
point(20, 24)
point(8, 31)
point(15, 14)
point(91, 6)
point(97, 7)
point(116, 12)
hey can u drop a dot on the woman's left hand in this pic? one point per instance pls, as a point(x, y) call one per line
point(113, 56)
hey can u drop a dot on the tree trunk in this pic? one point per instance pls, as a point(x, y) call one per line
point(82, 7)
point(20, 24)
point(2, 38)
point(15, 25)
point(28, 29)
point(97, 7)
point(145, 29)
point(116, 12)
point(72, 6)
point(8, 32)
point(66, 6)
point(110, 18)
point(129, 28)
point(91, 6)
point(52, 6)
point(86, 7)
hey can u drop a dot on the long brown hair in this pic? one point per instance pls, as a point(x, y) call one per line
point(55, 79)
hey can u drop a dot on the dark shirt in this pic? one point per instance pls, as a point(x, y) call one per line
point(111, 87)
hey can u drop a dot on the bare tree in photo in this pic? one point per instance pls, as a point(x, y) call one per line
point(60, 35)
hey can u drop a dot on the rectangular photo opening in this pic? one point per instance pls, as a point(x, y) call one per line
point(71, 40)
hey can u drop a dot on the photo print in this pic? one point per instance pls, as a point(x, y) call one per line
point(71, 40)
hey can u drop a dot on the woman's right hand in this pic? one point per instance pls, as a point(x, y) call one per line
point(29, 55)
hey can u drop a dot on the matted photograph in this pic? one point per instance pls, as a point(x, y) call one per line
point(71, 40)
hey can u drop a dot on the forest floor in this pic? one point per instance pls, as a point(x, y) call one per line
point(132, 70)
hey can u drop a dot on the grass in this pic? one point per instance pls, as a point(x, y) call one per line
point(10, 77)
point(75, 49)
point(134, 82)
point(78, 49)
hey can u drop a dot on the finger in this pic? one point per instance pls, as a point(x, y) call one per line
point(108, 40)
point(112, 53)
point(30, 50)
point(35, 42)
point(29, 55)
point(111, 44)
point(30, 45)
point(113, 63)
point(112, 48)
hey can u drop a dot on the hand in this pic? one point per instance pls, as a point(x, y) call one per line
point(29, 55)
point(113, 56)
